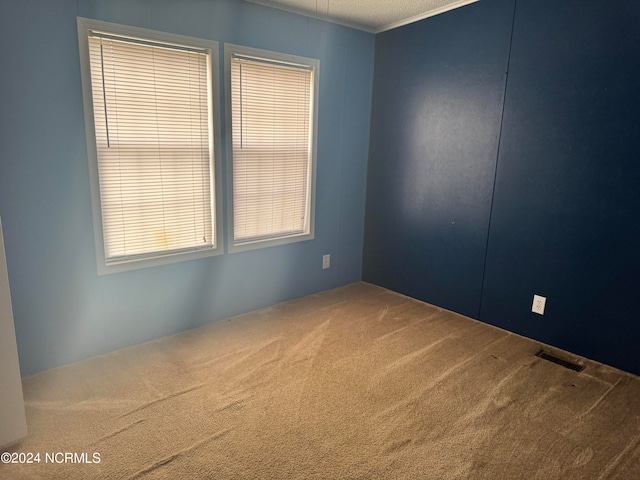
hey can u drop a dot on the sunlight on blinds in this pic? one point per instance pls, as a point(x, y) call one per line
point(271, 116)
point(153, 132)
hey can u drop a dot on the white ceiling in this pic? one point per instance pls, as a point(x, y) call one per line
point(369, 15)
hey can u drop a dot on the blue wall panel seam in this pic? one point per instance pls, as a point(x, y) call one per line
point(495, 174)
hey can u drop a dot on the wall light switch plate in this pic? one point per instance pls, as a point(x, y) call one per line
point(538, 304)
point(326, 261)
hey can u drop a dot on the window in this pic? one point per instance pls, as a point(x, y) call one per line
point(271, 100)
point(149, 101)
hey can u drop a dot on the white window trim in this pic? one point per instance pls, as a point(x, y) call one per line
point(84, 25)
point(229, 50)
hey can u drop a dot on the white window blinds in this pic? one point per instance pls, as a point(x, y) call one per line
point(153, 127)
point(272, 111)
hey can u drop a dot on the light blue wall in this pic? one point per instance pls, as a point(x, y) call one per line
point(63, 310)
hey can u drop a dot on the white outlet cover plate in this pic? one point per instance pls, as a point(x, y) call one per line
point(538, 304)
point(326, 261)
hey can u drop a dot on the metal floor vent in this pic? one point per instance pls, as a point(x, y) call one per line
point(559, 361)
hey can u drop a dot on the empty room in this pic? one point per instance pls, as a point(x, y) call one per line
point(319, 239)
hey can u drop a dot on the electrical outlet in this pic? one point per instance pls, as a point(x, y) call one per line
point(326, 261)
point(538, 304)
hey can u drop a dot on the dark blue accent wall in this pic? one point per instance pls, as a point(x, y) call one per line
point(566, 216)
point(562, 214)
point(437, 107)
point(63, 310)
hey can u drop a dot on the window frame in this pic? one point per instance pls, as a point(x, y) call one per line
point(84, 25)
point(229, 51)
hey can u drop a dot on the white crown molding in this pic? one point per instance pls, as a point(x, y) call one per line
point(358, 26)
point(431, 13)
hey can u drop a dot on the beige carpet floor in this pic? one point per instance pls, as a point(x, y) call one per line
point(355, 383)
